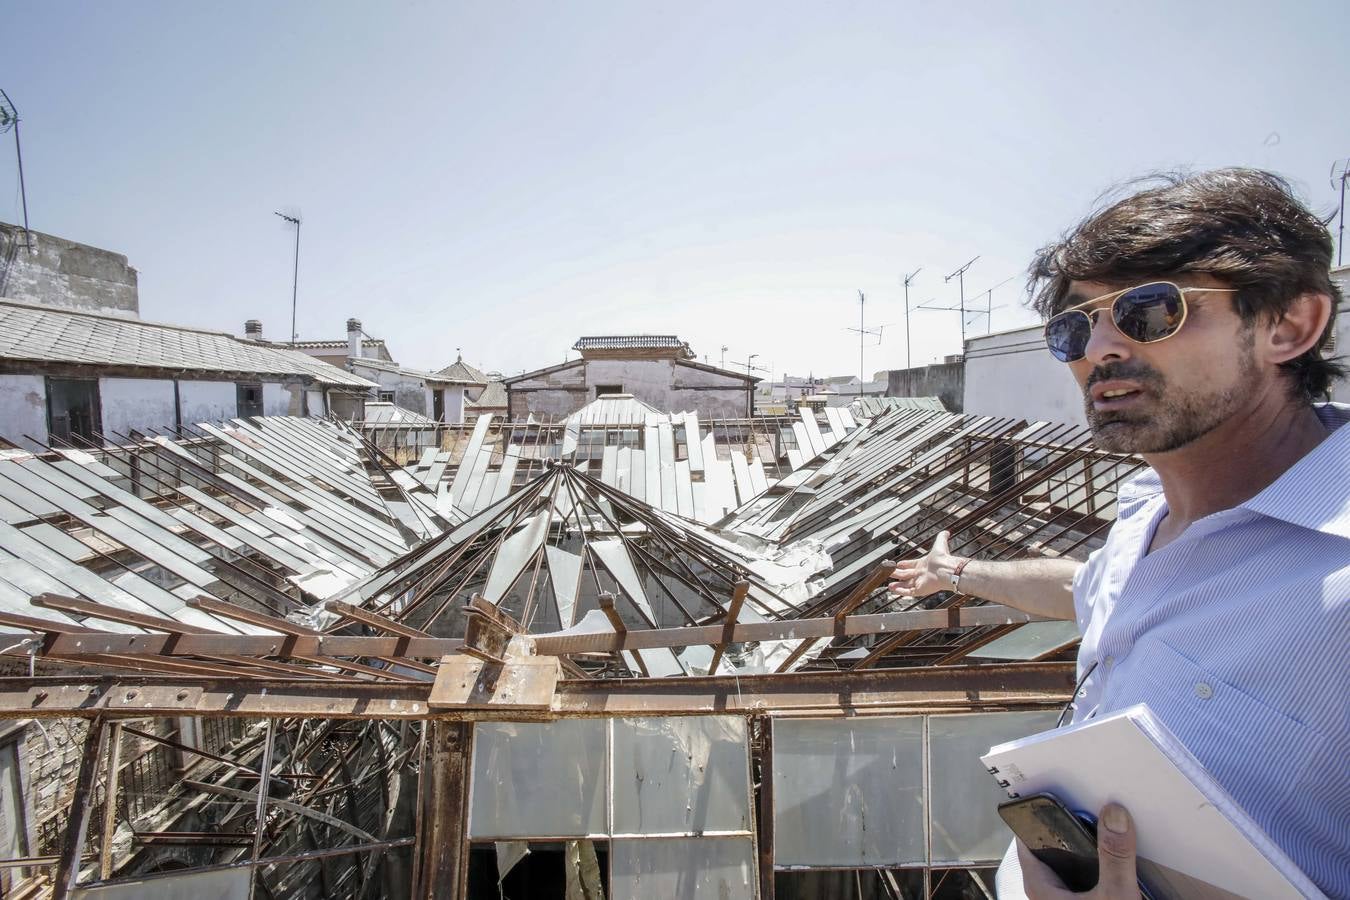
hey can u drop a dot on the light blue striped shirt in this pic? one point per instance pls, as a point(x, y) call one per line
point(1236, 635)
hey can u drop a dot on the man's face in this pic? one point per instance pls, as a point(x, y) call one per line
point(1158, 397)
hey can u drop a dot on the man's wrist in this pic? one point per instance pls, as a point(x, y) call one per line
point(955, 576)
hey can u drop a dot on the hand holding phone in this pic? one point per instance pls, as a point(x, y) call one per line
point(1066, 842)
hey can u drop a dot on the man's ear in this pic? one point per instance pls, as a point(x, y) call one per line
point(1299, 328)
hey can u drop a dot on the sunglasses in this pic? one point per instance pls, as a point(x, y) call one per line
point(1145, 314)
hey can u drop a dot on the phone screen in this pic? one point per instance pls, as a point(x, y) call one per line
point(1056, 836)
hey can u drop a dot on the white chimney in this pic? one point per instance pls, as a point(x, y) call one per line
point(253, 330)
point(354, 338)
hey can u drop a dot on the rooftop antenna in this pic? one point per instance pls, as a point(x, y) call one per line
point(1340, 229)
point(9, 118)
point(960, 276)
point(908, 279)
point(863, 332)
point(724, 356)
point(295, 276)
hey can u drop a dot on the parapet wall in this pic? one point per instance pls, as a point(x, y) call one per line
point(58, 272)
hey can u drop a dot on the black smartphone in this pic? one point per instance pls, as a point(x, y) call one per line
point(1065, 842)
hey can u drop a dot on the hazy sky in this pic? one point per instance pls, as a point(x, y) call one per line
point(505, 177)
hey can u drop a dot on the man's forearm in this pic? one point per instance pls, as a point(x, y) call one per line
point(1042, 587)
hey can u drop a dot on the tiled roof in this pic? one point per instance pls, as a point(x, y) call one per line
point(461, 372)
point(630, 342)
point(49, 335)
point(386, 366)
point(337, 345)
point(493, 397)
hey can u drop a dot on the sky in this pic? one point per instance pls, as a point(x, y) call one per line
point(505, 177)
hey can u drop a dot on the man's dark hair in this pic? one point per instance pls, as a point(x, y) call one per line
point(1243, 226)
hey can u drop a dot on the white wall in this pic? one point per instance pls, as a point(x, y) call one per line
point(280, 400)
point(135, 403)
point(208, 401)
point(1012, 374)
point(23, 409)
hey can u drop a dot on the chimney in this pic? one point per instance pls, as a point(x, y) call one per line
point(253, 330)
point(354, 337)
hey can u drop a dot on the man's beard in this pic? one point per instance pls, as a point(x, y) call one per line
point(1173, 419)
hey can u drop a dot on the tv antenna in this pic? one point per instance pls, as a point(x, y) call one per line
point(295, 275)
point(1340, 229)
point(9, 118)
point(960, 276)
point(863, 333)
point(908, 279)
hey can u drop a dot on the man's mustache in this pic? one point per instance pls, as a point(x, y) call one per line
point(1123, 371)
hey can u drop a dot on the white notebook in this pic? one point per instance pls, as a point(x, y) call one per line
point(1193, 840)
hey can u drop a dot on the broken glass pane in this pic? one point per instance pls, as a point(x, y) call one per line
point(966, 826)
point(538, 780)
point(681, 775)
point(848, 792)
point(682, 869)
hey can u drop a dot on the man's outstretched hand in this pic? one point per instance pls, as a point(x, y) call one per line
point(928, 574)
point(1117, 880)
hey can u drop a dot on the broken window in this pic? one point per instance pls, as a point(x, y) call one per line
point(250, 398)
point(73, 410)
point(603, 389)
point(667, 800)
point(386, 396)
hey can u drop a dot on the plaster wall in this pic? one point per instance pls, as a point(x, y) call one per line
point(63, 273)
point(662, 383)
point(946, 381)
point(1012, 374)
point(135, 403)
point(281, 399)
point(23, 409)
point(409, 393)
point(208, 401)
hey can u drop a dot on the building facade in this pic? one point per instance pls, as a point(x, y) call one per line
point(659, 370)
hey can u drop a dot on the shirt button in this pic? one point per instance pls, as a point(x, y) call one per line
point(1203, 690)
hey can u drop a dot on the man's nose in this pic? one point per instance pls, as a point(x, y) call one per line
point(1106, 343)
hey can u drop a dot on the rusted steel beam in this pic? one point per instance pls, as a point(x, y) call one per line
point(373, 619)
point(399, 649)
point(997, 685)
point(105, 855)
point(738, 592)
point(1019, 685)
point(443, 839)
point(77, 818)
point(606, 601)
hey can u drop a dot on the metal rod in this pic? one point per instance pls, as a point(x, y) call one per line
point(77, 819)
point(260, 809)
point(105, 855)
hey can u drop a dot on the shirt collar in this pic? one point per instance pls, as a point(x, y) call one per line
point(1310, 494)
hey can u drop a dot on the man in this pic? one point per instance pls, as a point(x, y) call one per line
point(1196, 316)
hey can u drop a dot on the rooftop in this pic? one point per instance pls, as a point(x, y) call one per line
point(462, 373)
point(609, 344)
point(51, 335)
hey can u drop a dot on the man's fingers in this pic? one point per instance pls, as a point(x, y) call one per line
point(1115, 854)
point(940, 543)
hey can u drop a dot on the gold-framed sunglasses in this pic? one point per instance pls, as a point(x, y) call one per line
point(1145, 314)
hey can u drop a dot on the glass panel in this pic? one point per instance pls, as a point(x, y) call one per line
point(848, 792)
point(966, 826)
point(1035, 639)
point(538, 780)
point(683, 775)
point(682, 869)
